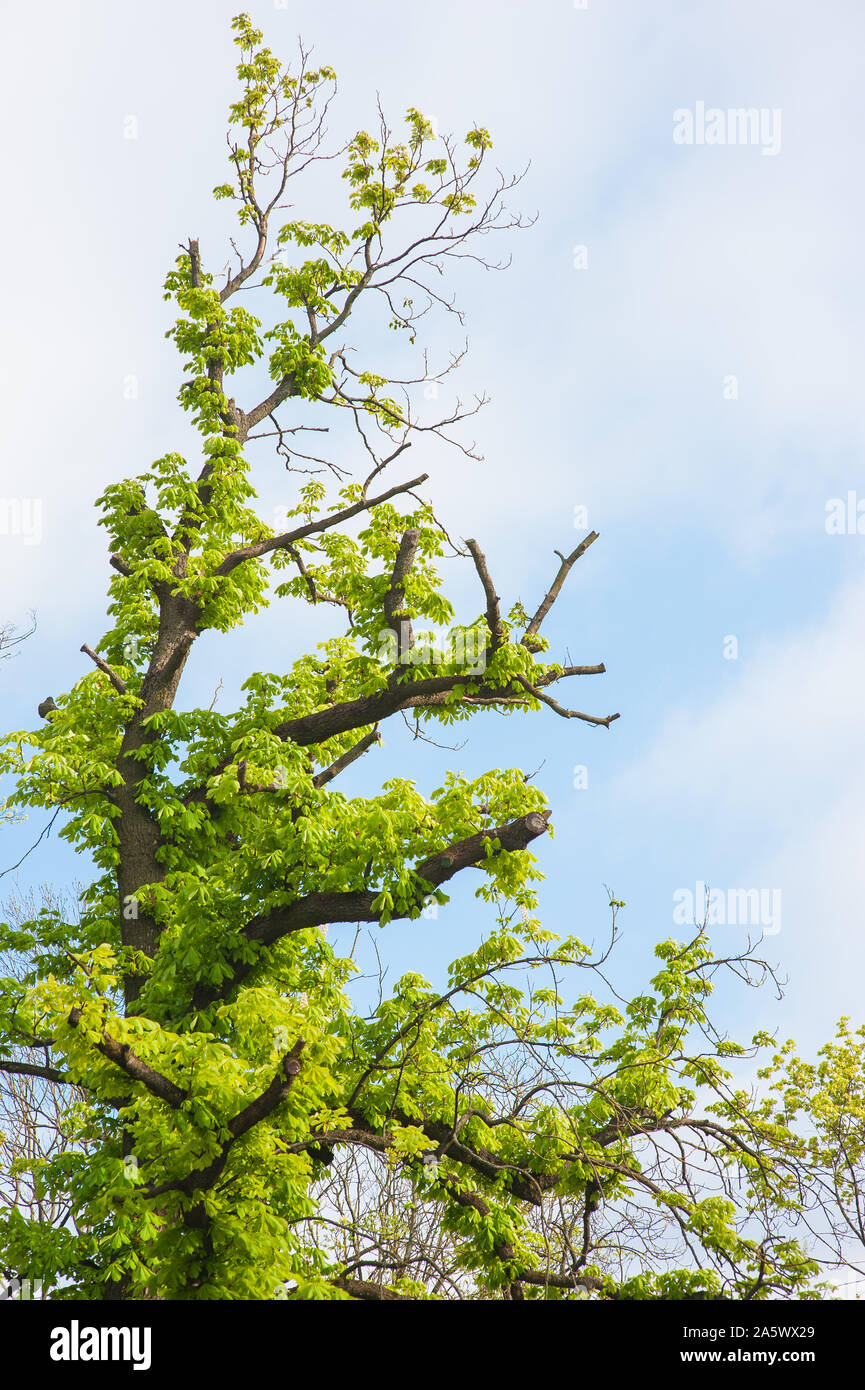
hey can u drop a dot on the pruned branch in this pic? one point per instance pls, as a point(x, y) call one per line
point(264, 1104)
point(568, 561)
point(494, 618)
point(118, 683)
point(308, 730)
point(322, 724)
point(194, 263)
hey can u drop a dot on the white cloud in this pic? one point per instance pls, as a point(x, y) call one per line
point(787, 737)
point(767, 779)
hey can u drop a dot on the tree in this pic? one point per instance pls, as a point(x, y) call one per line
point(38, 1121)
point(557, 1144)
point(820, 1109)
point(10, 637)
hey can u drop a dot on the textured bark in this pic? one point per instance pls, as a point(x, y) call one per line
point(367, 1291)
point(138, 832)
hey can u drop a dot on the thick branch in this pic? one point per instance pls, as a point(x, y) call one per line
point(33, 1069)
point(551, 676)
point(369, 1292)
point(195, 263)
point(324, 723)
point(319, 909)
point(200, 1179)
point(275, 1094)
point(281, 392)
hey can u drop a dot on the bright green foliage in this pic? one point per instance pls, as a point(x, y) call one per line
point(819, 1108)
point(198, 1001)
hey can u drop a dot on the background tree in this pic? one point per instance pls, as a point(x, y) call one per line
point(820, 1110)
point(39, 1118)
point(10, 638)
point(557, 1144)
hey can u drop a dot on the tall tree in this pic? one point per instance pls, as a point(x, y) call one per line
point(556, 1142)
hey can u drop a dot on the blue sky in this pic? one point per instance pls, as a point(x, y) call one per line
point(610, 390)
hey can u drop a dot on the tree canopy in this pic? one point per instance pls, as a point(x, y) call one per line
point(524, 1135)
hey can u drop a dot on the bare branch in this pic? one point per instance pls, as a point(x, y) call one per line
point(549, 599)
point(494, 617)
point(560, 709)
point(8, 638)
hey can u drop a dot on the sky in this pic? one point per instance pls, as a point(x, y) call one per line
point(673, 358)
